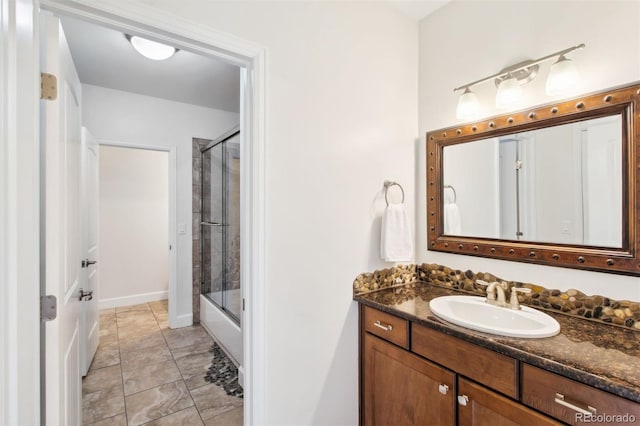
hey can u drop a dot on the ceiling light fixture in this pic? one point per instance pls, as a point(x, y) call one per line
point(151, 49)
point(563, 76)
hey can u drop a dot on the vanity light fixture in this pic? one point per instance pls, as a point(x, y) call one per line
point(151, 49)
point(563, 75)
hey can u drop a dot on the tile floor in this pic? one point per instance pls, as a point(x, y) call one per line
point(146, 373)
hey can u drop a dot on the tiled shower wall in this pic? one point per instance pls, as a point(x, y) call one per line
point(196, 205)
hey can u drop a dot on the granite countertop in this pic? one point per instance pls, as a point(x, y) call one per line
point(604, 356)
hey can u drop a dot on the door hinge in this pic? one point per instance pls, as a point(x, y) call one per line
point(243, 303)
point(518, 164)
point(48, 87)
point(48, 308)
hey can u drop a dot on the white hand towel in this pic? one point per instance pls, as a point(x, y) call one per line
point(452, 223)
point(396, 243)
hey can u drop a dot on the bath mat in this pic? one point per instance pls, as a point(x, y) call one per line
point(223, 372)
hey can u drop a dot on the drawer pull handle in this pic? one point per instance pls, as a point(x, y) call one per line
point(443, 389)
point(560, 399)
point(385, 327)
point(463, 399)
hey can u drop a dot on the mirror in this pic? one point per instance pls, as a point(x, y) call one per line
point(555, 185)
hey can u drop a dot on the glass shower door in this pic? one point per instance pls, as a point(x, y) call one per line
point(220, 226)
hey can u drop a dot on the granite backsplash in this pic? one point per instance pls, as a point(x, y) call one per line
point(623, 313)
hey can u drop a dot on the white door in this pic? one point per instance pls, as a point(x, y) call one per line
point(61, 144)
point(89, 323)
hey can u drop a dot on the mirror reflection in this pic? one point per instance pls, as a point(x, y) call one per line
point(560, 184)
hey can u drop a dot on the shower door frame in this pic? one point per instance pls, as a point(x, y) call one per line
point(222, 139)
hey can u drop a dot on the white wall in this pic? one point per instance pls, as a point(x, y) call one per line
point(341, 115)
point(472, 171)
point(134, 226)
point(138, 120)
point(465, 41)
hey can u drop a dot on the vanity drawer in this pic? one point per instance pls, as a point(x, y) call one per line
point(386, 326)
point(570, 401)
point(494, 370)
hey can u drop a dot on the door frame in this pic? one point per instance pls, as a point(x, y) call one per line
point(20, 187)
point(174, 321)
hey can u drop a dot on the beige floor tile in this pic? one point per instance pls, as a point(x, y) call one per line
point(159, 305)
point(103, 378)
point(142, 307)
point(158, 402)
point(186, 336)
point(212, 400)
point(106, 355)
point(102, 404)
point(150, 376)
point(199, 348)
point(137, 359)
point(108, 332)
point(119, 420)
point(136, 337)
point(193, 369)
point(107, 314)
point(233, 417)
point(136, 343)
point(139, 329)
point(188, 417)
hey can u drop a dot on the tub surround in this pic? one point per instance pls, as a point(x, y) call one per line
point(588, 350)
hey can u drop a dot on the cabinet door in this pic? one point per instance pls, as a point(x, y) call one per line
point(402, 389)
point(479, 406)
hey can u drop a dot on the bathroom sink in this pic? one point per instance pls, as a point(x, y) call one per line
point(474, 313)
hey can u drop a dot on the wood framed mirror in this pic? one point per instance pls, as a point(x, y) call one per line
point(554, 185)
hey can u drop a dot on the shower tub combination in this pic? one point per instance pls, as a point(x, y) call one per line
point(220, 290)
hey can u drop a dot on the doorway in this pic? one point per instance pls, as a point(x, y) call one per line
point(250, 58)
point(134, 226)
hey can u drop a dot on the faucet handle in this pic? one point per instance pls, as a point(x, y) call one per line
point(514, 302)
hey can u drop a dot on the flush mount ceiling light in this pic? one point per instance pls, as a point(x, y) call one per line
point(563, 76)
point(151, 49)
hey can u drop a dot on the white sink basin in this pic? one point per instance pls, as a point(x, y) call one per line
point(474, 313)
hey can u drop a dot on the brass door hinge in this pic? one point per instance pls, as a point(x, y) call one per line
point(48, 86)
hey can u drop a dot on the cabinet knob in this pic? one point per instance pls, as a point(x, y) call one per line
point(443, 389)
point(463, 399)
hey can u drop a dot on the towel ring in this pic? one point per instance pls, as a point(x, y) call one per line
point(455, 196)
point(387, 184)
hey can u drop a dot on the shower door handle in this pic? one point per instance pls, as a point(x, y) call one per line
point(212, 224)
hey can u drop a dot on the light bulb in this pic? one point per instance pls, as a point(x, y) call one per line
point(509, 92)
point(467, 105)
point(563, 76)
point(152, 49)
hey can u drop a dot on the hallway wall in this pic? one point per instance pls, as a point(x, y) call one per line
point(341, 117)
point(137, 120)
point(134, 226)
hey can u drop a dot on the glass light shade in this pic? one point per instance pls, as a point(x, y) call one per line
point(152, 49)
point(467, 105)
point(563, 76)
point(509, 93)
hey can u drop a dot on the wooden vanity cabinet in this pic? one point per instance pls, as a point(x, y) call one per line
point(572, 402)
point(480, 406)
point(400, 388)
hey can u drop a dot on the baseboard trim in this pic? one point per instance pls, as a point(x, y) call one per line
point(134, 299)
